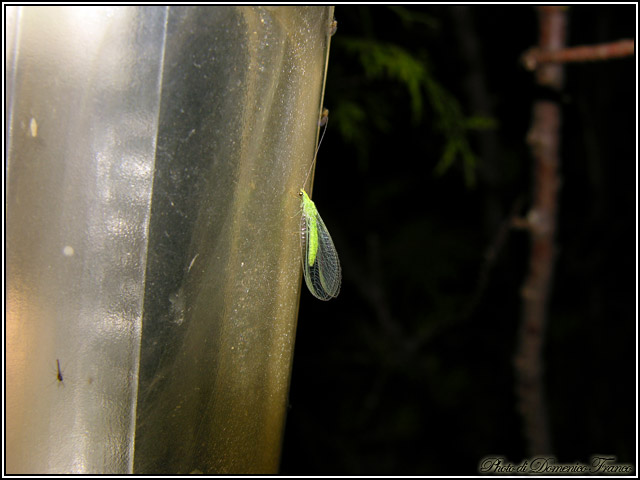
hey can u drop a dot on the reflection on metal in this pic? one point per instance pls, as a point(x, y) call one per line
point(151, 232)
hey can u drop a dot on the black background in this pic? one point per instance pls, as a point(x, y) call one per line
point(410, 369)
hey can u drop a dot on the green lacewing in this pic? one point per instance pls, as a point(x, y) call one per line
point(320, 263)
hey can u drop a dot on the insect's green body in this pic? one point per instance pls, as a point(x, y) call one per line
point(310, 211)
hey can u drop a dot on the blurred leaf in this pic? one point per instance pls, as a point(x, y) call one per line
point(350, 118)
point(409, 17)
point(478, 122)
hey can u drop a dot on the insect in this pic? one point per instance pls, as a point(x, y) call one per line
point(324, 118)
point(320, 263)
point(59, 374)
point(333, 26)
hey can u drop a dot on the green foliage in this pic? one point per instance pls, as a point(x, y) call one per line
point(410, 18)
point(392, 64)
point(350, 116)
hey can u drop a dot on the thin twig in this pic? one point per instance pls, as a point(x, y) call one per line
point(586, 53)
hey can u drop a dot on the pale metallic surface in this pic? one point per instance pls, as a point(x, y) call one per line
point(154, 160)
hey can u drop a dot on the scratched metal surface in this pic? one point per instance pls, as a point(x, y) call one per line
point(154, 160)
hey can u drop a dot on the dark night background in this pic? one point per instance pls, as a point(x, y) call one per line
point(410, 369)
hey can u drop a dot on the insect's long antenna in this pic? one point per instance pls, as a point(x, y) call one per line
point(324, 120)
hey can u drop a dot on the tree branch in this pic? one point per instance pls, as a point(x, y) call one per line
point(585, 53)
point(544, 141)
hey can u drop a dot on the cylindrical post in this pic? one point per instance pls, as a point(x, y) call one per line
point(154, 160)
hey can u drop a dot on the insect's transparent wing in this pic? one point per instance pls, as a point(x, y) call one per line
point(330, 272)
point(323, 278)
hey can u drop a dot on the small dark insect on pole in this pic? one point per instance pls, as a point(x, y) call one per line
point(333, 26)
point(324, 118)
point(59, 375)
